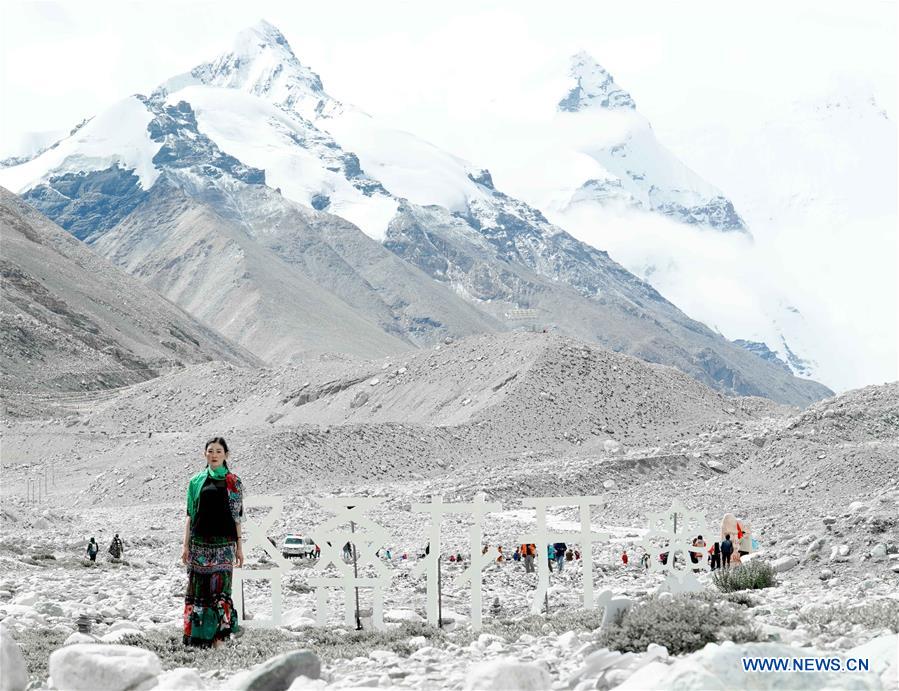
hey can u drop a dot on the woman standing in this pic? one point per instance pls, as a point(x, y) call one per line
point(212, 546)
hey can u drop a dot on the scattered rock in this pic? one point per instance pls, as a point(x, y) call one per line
point(181, 678)
point(92, 667)
point(784, 564)
point(814, 547)
point(503, 674)
point(278, 673)
point(15, 674)
point(78, 637)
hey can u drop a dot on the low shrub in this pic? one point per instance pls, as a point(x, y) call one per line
point(753, 575)
point(881, 613)
point(257, 645)
point(682, 623)
point(881, 524)
point(242, 652)
point(741, 598)
point(36, 646)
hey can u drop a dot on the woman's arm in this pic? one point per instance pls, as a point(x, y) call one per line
point(185, 550)
point(238, 556)
point(235, 503)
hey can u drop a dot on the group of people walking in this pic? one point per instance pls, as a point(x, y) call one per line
point(116, 548)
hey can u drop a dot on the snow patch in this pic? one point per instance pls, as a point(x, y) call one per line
point(118, 136)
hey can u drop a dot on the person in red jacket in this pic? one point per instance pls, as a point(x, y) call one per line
point(624, 557)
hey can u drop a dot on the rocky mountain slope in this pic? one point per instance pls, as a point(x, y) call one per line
point(820, 487)
point(74, 322)
point(488, 255)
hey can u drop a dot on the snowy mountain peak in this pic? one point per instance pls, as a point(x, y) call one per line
point(595, 87)
point(261, 62)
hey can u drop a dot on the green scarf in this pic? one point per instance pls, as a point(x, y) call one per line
point(196, 484)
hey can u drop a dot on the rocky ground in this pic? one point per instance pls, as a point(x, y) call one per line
point(512, 416)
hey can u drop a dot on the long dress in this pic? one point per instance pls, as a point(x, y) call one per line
point(208, 609)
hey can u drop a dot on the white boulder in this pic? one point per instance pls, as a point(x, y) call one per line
point(29, 598)
point(91, 667)
point(402, 615)
point(78, 637)
point(719, 667)
point(507, 673)
point(117, 635)
point(181, 678)
point(784, 564)
point(882, 654)
point(14, 676)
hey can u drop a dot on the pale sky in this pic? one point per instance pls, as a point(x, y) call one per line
point(430, 70)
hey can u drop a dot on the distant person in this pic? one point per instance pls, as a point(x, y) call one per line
point(577, 555)
point(318, 552)
point(550, 556)
point(645, 560)
point(92, 549)
point(452, 558)
point(458, 557)
point(516, 555)
point(501, 558)
point(624, 557)
point(698, 543)
point(116, 547)
point(569, 554)
point(560, 548)
point(213, 546)
point(348, 552)
point(715, 556)
point(529, 551)
point(727, 548)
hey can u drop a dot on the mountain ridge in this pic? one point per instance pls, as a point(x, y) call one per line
point(434, 211)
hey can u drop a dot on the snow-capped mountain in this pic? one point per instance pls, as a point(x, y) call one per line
point(282, 177)
point(632, 170)
point(597, 168)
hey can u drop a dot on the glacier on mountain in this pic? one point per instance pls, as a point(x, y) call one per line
point(253, 132)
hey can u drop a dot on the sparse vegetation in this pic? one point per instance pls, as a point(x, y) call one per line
point(741, 598)
point(682, 623)
point(258, 645)
point(36, 646)
point(876, 614)
point(881, 524)
point(754, 575)
point(241, 652)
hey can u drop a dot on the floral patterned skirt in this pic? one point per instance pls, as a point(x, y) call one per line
point(208, 610)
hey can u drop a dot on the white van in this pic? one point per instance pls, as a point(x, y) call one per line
point(297, 546)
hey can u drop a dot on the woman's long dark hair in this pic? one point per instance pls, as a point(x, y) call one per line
point(221, 442)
